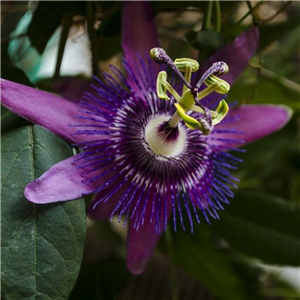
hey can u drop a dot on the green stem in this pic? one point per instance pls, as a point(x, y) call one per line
point(172, 91)
point(250, 12)
point(92, 35)
point(208, 15)
point(62, 43)
point(208, 90)
point(277, 13)
point(218, 15)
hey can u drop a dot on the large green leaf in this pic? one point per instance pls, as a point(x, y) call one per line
point(262, 226)
point(197, 255)
point(42, 245)
point(276, 168)
point(10, 120)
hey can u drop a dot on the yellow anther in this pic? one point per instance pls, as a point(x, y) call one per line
point(221, 86)
point(221, 111)
point(161, 85)
point(183, 63)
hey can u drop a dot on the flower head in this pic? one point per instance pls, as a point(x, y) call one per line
point(150, 148)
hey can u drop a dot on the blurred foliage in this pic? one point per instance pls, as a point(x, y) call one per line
point(261, 224)
point(48, 16)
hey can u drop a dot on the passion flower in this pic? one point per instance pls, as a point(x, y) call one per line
point(149, 148)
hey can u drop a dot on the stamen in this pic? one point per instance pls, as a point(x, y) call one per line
point(221, 111)
point(222, 86)
point(162, 86)
point(187, 66)
point(160, 56)
point(218, 68)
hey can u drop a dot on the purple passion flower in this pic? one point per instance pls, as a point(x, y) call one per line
point(150, 148)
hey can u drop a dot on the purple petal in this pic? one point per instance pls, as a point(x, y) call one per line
point(140, 246)
point(253, 122)
point(102, 211)
point(236, 55)
point(72, 88)
point(139, 33)
point(45, 109)
point(61, 182)
point(142, 242)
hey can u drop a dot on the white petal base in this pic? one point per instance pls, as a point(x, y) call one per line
point(158, 145)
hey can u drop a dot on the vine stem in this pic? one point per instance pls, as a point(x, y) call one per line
point(92, 36)
point(208, 15)
point(249, 12)
point(62, 43)
point(218, 15)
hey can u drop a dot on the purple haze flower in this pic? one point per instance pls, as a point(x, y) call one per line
point(113, 126)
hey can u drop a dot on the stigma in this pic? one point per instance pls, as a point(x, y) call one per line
point(190, 98)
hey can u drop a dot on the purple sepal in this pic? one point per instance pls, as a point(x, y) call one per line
point(104, 211)
point(253, 122)
point(47, 110)
point(72, 88)
point(142, 242)
point(61, 182)
point(139, 36)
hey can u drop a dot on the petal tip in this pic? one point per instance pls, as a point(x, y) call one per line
point(30, 194)
point(289, 113)
point(135, 270)
point(281, 113)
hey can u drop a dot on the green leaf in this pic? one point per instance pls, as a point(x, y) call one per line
point(262, 226)
point(9, 119)
point(197, 255)
point(249, 274)
point(207, 41)
point(42, 245)
point(261, 173)
point(270, 91)
point(101, 280)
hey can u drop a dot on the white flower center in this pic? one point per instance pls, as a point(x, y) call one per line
point(159, 145)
